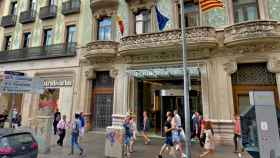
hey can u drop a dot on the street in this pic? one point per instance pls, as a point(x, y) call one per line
point(94, 143)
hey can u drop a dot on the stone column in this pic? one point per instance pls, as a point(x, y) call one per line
point(205, 91)
point(273, 66)
point(175, 14)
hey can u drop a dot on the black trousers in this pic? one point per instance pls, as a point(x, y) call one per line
point(55, 127)
point(62, 133)
point(235, 140)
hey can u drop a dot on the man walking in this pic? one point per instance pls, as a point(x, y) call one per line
point(61, 127)
point(168, 135)
point(56, 119)
point(75, 135)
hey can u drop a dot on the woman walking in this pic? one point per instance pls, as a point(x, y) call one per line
point(209, 145)
point(75, 135)
point(145, 128)
point(133, 132)
point(61, 127)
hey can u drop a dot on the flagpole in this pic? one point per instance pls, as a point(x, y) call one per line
point(200, 13)
point(186, 84)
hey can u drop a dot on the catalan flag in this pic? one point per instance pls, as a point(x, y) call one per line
point(206, 5)
point(121, 24)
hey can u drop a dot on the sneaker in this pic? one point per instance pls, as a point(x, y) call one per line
point(159, 156)
point(82, 152)
point(177, 147)
point(183, 155)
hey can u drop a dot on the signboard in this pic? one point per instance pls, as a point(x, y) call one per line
point(20, 84)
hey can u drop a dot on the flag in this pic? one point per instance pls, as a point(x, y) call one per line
point(206, 5)
point(162, 20)
point(121, 24)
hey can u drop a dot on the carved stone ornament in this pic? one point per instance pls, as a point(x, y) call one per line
point(273, 65)
point(114, 73)
point(90, 74)
point(230, 67)
point(136, 5)
point(102, 8)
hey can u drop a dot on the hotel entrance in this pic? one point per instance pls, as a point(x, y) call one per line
point(163, 92)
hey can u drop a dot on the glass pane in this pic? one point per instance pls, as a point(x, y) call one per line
point(48, 37)
point(139, 27)
point(139, 17)
point(105, 29)
point(240, 16)
point(71, 34)
point(107, 33)
point(252, 13)
point(244, 104)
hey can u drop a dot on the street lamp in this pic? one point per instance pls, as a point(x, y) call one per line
point(186, 84)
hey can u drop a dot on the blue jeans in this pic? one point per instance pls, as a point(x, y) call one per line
point(74, 141)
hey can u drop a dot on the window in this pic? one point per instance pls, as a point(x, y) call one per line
point(104, 29)
point(32, 4)
point(47, 41)
point(71, 34)
point(191, 10)
point(51, 2)
point(26, 39)
point(7, 42)
point(142, 22)
point(245, 10)
point(13, 9)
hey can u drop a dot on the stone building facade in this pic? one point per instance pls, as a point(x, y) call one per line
point(231, 51)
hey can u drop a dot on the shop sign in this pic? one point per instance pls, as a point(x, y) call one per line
point(57, 83)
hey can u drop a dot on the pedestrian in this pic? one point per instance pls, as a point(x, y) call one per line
point(195, 128)
point(168, 134)
point(202, 134)
point(133, 131)
point(209, 145)
point(56, 119)
point(83, 123)
point(3, 118)
point(18, 120)
point(61, 129)
point(236, 137)
point(14, 118)
point(127, 135)
point(75, 135)
point(176, 136)
point(146, 126)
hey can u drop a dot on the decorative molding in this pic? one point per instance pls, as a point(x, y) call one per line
point(102, 8)
point(249, 32)
point(114, 73)
point(90, 74)
point(136, 5)
point(273, 65)
point(230, 67)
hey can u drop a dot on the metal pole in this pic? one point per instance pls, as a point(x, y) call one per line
point(186, 84)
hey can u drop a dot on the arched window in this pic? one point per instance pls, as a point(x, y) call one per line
point(245, 10)
point(143, 22)
point(104, 29)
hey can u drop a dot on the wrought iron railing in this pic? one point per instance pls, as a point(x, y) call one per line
point(71, 7)
point(9, 21)
point(39, 53)
point(48, 12)
point(27, 16)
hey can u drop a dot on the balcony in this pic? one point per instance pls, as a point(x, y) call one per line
point(28, 16)
point(197, 38)
point(97, 4)
point(48, 12)
point(71, 7)
point(8, 21)
point(38, 53)
point(101, 51)
point(252, 32)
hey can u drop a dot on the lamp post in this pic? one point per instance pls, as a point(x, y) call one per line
point(186, 83)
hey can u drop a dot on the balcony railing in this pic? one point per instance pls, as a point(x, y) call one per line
point(38, 53)
point(71, 7)
point(48, 12)
point(9, 21)
point(197, 37)
point(28, 16)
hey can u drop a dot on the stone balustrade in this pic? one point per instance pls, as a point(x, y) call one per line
point(253, 31)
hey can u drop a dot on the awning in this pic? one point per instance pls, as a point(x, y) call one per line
point(162, 72)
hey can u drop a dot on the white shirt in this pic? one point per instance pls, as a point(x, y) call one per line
point(178, 121)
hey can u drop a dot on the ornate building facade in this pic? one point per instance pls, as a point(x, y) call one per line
point(231, 51)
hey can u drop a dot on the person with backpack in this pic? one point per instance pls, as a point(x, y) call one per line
point(75, 135)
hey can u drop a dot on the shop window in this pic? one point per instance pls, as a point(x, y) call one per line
point(13, 8)
point(191, 11)
point(26, 39)
point(52, 2)
point(104, 29)
point(7, 42)
point(71, 34)
point(245, 10)
point(32, 4)
point(47, 37)
point(143, 22)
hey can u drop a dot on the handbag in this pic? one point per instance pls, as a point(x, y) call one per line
point(182, 135)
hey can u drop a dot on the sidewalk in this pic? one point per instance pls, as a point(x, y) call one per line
point(94, 144)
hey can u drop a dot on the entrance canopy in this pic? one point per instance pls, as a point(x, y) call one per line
point(162, 72)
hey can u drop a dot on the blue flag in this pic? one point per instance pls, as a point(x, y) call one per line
point(162, 20)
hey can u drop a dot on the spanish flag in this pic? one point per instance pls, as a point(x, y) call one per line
point(206, 5)
point(121, 24)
